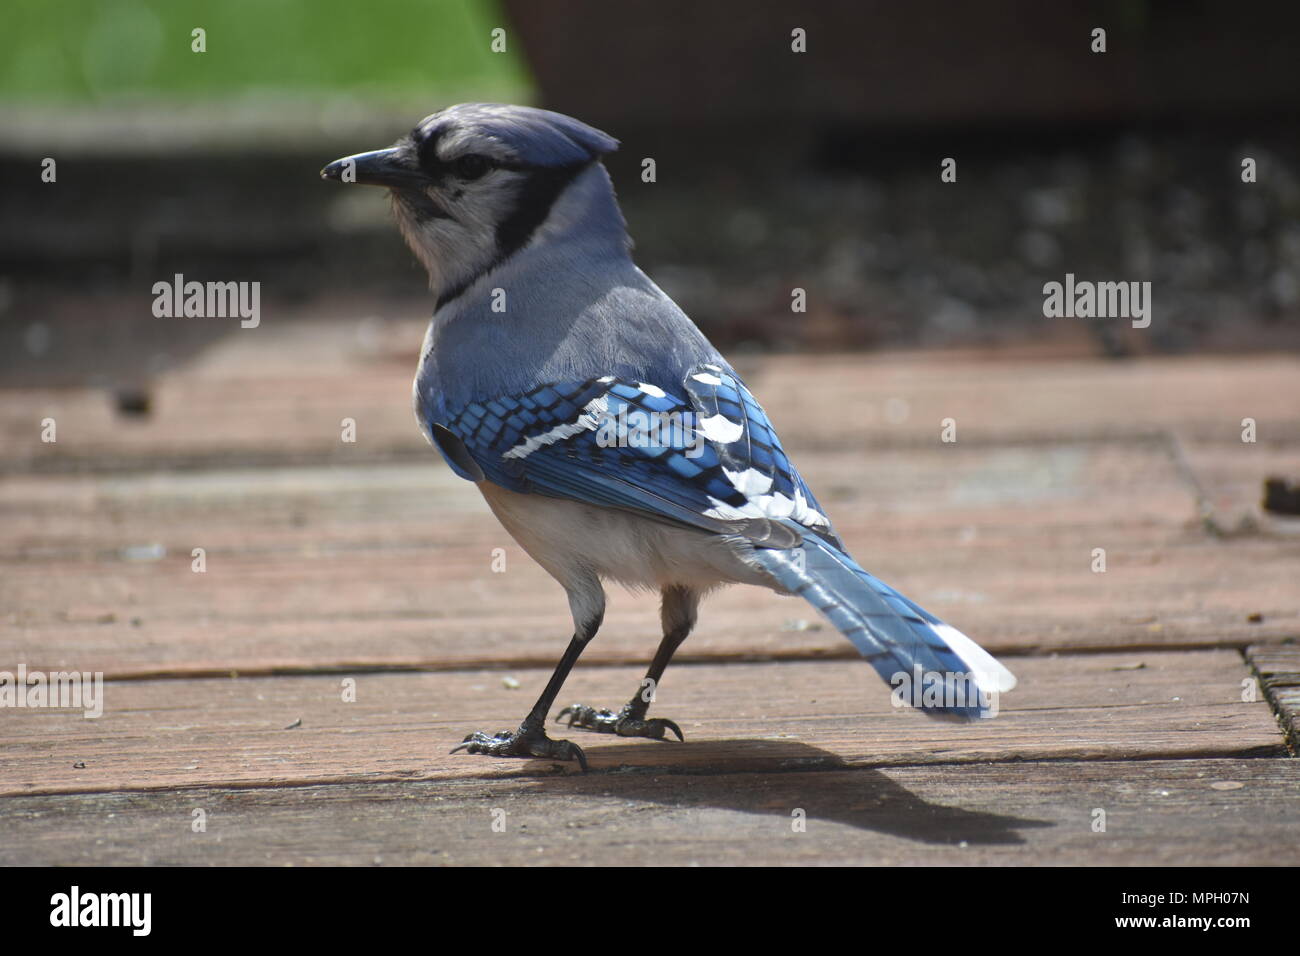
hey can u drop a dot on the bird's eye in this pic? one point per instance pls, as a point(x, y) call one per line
point(472, 166)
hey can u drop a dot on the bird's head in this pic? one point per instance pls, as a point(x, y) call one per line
point(472, 183)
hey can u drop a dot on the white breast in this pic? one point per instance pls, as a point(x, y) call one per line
point(566, 537)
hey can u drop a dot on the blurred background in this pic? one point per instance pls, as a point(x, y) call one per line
point(774, 169)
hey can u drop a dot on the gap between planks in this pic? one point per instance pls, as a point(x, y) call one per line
point(680, 660)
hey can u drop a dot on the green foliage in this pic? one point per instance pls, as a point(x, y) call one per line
point(94, 50)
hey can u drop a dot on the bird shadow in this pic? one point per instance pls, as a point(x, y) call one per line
point(781, 778)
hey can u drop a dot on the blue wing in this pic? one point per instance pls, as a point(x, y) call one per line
point(700, 451)
point(704, 454)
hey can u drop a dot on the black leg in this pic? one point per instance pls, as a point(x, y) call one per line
point(530, 739)
point(680, 605)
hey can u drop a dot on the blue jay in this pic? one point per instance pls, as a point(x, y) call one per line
point(549, 366)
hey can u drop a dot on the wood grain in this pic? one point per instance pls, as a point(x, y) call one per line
point(737, 718)
point(1278, 668)
point(328, 560)
point(1157, 812)
point(280, 394)
point(394, 565)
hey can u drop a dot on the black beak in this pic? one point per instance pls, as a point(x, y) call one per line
point(382, 167)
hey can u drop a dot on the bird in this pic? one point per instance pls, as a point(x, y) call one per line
point(606, 434)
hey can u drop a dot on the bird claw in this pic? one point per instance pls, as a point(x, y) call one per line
point(624, 723)
point(522, 743)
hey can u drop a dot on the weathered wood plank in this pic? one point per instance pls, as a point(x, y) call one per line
point(1229, 481)
point(737, 717)
point(285, 392)
point(395, 565)
point(1278, 668)
point(1186, 812)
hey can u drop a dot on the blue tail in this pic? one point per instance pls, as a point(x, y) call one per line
point(930, 665)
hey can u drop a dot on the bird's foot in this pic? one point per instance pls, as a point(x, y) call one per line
point(625, 723)
point(524, 742)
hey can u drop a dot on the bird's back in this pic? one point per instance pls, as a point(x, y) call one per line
point(572, 306)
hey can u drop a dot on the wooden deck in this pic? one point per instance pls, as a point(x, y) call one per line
point(1164, 692)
